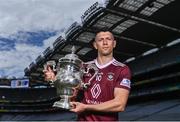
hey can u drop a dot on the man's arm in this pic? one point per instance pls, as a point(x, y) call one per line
point(117, 104)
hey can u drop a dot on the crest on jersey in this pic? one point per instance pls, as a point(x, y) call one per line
point(110, 76)
point(125, 82)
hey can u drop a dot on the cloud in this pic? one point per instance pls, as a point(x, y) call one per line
point(36, 15)
point(14, 61)
point(17, 59)
point(5, 44)
point(24, 25)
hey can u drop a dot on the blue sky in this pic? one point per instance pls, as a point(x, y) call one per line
point(28, 27)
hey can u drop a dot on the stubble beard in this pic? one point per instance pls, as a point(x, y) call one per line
point(106, 53)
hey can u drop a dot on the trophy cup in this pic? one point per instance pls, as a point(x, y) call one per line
point(69, 76)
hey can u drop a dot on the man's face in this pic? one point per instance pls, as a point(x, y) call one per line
point(104, 43)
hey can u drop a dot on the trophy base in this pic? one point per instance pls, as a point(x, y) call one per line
point(63, 103)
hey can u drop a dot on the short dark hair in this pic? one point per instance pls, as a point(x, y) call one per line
point(104, 29)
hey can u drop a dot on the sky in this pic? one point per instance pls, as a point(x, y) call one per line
point(28, 27)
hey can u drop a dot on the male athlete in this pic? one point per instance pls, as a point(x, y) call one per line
point(109, 90)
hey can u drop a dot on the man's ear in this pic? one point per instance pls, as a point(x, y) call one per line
point(94, 44)
point(114, 44)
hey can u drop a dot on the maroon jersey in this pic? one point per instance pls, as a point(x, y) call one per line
point(111, 75)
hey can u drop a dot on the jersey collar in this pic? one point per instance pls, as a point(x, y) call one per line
point(105, 65)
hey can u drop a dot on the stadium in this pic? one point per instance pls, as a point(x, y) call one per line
point(148, 41)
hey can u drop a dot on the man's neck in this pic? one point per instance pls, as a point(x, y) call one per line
point(104, 59)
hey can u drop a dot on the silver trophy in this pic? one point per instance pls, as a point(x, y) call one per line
point(69, 76)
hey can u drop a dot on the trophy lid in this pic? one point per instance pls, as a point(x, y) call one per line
point(72, 58)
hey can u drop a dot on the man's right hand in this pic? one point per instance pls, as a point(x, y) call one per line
point(49, 74)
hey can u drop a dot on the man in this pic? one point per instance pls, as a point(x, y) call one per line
point(108, 93)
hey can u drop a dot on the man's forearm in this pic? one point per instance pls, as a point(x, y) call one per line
point(117, 104)
point(109, 106)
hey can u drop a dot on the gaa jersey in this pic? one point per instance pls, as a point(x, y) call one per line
point(110, 76)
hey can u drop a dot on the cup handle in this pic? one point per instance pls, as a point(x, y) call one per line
point(90, 66)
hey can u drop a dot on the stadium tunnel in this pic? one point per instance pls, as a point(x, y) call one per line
point(148, 36)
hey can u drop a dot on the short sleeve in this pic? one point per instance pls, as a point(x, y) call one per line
point(124, 78)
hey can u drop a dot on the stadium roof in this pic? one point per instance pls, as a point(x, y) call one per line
point(140, 27)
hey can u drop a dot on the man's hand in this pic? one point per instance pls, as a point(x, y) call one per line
point(49, 74)
point(77, 107)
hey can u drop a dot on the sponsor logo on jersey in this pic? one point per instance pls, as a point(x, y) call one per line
point(110, 76)
point(125, 82)
point(93, 101)
point(95, 91)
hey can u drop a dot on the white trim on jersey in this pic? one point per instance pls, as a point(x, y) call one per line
point(117, 63)
point(105, 65)
point(113, 61)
